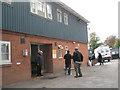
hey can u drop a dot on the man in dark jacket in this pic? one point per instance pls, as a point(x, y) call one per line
point(100, 58)
point(39, 62)
point(93, 60)
point(78, 58)
point(68, 58)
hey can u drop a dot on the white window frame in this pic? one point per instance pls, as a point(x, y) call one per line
point(60, 51)
point(65, 19)
point(59, 15)
point(66, 49)
point(7, 1)
point(43, 8)
point(49, 11)
point(33, 2)
point(2, 62)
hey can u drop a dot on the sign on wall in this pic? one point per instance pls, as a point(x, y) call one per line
point(54, 54)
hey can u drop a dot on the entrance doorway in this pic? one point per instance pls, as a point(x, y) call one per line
point(47, 58)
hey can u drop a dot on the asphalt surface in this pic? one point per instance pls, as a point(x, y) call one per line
point(104, 76)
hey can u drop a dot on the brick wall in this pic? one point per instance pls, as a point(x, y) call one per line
point(15, 73)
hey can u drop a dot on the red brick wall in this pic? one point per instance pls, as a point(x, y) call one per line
point(15, 73)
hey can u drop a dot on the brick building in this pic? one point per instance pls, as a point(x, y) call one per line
point(26, 27)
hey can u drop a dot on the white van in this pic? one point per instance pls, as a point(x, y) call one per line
point(105, 52)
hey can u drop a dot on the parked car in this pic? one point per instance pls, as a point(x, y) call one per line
point(115, 52)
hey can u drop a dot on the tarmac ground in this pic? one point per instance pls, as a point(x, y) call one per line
point(104, 76)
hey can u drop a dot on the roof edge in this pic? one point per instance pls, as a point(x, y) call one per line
point(72, 11)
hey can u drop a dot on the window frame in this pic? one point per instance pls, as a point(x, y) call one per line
point(60, 53)
point(9, 53)
point(59, 15)
point(65, 18)
point(47, 13)
point(31, 6)
point(7, 1)
point(44, 6)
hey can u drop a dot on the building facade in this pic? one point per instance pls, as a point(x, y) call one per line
point(27, 27)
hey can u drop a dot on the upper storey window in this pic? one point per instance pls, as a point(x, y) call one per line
point(59, 15)
point(7, 1)
point(49, 12)
point(41, 9)
point(65, 19)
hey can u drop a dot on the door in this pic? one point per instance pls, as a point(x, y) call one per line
point(34, 51)
point(47, 58)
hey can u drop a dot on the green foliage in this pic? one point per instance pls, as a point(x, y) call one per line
point(93, 43)
point(117, 43)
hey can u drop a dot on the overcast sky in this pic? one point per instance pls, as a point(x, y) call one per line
point(103, 15)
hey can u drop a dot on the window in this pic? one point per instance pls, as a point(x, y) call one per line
point(59, 15)
point(33, 6)
point(41, 9)
point(65, 19)
point(7, 1)
point(22, 40)
point(107, 50)
point(66, 49)
point(113, 52)
point(49, 12)
point(5, 52)
point(60, 51)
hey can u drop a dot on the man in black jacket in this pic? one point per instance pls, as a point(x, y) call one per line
point(39, 62)
point(77, 58)
point(68, 58)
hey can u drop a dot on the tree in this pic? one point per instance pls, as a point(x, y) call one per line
point(110, 41)
point(93, 43)
point(117, 43)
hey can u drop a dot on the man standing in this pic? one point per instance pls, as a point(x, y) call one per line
point(39, 62)
point(93, 60)
point(100, 58)
point(78, 58)
point(67, 58)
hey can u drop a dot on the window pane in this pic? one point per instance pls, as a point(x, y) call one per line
point(59, 53)
point(65, 18)
point(59, 15)
point(113, 53)
point(7, 1)
point(4, 48)
point(5, 51)
point(33, 6)
point(5, 57)
point(40, 7)
point(49, 11)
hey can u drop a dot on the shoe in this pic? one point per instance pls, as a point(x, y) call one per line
point(38, 75)
point(76, 76)
point(41, 75)
point(80, 76)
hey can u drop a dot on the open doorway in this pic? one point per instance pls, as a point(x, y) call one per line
point(47, 58)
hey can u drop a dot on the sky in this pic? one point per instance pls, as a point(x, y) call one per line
point(102, 14)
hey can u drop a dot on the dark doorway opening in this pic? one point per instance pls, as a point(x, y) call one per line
point(47, 58)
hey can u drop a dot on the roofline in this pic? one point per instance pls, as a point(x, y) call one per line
point(72, 11)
